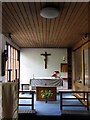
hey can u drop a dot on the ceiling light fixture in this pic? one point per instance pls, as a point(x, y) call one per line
point(49, 12)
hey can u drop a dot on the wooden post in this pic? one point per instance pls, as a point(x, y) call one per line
point(61, 101)
point(32, 100)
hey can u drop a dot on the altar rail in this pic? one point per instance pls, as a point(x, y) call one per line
point(83, 100)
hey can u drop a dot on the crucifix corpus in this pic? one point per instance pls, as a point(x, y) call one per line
point(45, 59)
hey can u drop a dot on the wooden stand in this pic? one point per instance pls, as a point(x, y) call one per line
point(38, 93)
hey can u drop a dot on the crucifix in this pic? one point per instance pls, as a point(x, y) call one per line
point(45, 55)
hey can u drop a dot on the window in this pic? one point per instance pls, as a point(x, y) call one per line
point(78, 64)
point(12, 64)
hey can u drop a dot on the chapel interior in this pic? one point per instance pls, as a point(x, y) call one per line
point(44, 47)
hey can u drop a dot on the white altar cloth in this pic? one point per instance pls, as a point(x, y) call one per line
point(56, 82)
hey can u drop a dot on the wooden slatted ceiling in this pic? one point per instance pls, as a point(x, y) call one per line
point(29, 29)
point(44, 0)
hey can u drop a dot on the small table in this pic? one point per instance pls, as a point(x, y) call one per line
point(38, 93)
point(22, 85)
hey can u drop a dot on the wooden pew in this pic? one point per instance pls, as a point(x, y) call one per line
point(32, 98)
point(83, 100)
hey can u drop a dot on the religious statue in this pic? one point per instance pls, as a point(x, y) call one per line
point(45, 55)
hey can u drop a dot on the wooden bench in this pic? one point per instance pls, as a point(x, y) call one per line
point(83, 100)
point(31, 97)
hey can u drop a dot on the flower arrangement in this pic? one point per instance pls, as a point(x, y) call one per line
point(46, 94)
point(55, 74)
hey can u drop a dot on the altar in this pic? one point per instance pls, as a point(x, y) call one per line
point(51, 82)
point(40, 88)
point(46, 84)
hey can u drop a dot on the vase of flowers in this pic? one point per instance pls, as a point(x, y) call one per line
point(46, 94)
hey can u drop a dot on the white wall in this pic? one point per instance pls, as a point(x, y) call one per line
point(31, 62)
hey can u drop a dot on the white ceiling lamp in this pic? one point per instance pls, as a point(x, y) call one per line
point(49, 12)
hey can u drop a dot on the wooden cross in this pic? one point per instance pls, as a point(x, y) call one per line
point(45, 55)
